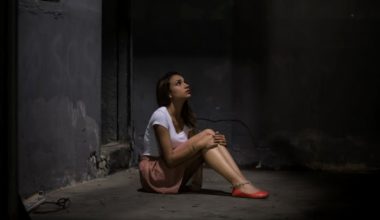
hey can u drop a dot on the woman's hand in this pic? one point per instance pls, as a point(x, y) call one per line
point(207, 141)
point(220, 139)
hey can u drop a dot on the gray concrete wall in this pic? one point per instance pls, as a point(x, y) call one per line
point(300, 74)
point(59, 72)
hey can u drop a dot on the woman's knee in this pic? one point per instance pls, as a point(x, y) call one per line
point(212, 150)
point(208, 131)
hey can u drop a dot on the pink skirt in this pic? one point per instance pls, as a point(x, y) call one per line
point(156, 176)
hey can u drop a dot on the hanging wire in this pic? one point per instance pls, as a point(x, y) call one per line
point(230, 120)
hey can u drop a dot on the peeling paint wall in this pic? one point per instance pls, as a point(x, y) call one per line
point(59, 65)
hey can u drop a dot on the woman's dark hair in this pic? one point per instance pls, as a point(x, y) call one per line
point(163, 99)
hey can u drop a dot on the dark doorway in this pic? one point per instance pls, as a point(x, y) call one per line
point(116, 72)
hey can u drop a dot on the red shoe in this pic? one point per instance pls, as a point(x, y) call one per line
point(257, 195)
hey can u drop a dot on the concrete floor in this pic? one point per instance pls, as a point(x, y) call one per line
point(294, 195)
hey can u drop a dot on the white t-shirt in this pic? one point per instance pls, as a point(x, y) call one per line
point(162, 117)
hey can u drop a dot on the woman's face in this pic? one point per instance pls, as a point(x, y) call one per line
point(179, 89)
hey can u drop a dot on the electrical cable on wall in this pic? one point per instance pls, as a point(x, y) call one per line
point(230, 120)
point(233, 120)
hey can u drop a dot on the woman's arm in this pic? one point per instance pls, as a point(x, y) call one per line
point(192, 132)
point(174, 157)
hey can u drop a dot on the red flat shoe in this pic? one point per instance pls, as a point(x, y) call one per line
point(257, 195)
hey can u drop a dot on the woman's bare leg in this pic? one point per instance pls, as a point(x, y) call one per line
point(193, 172)
point(226, 154)
point(218, 162)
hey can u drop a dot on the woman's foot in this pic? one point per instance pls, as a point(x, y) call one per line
point(247, 190)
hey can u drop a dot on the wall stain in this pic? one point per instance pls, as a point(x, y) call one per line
point(54, 9)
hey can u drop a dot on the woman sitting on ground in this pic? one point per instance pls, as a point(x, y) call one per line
point(173, 154)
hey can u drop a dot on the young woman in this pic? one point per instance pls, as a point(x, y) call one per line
point(173, 154)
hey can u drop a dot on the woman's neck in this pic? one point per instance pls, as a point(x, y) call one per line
point(175, 109)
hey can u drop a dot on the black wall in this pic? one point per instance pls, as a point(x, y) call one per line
point(12, 207)
point(300, 74)
point(319, 87)
point(116, 71)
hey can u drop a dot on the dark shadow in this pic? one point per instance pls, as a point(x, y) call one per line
point(345, 196)
point(202, 191)
point(144, 191)
point(207, 192)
